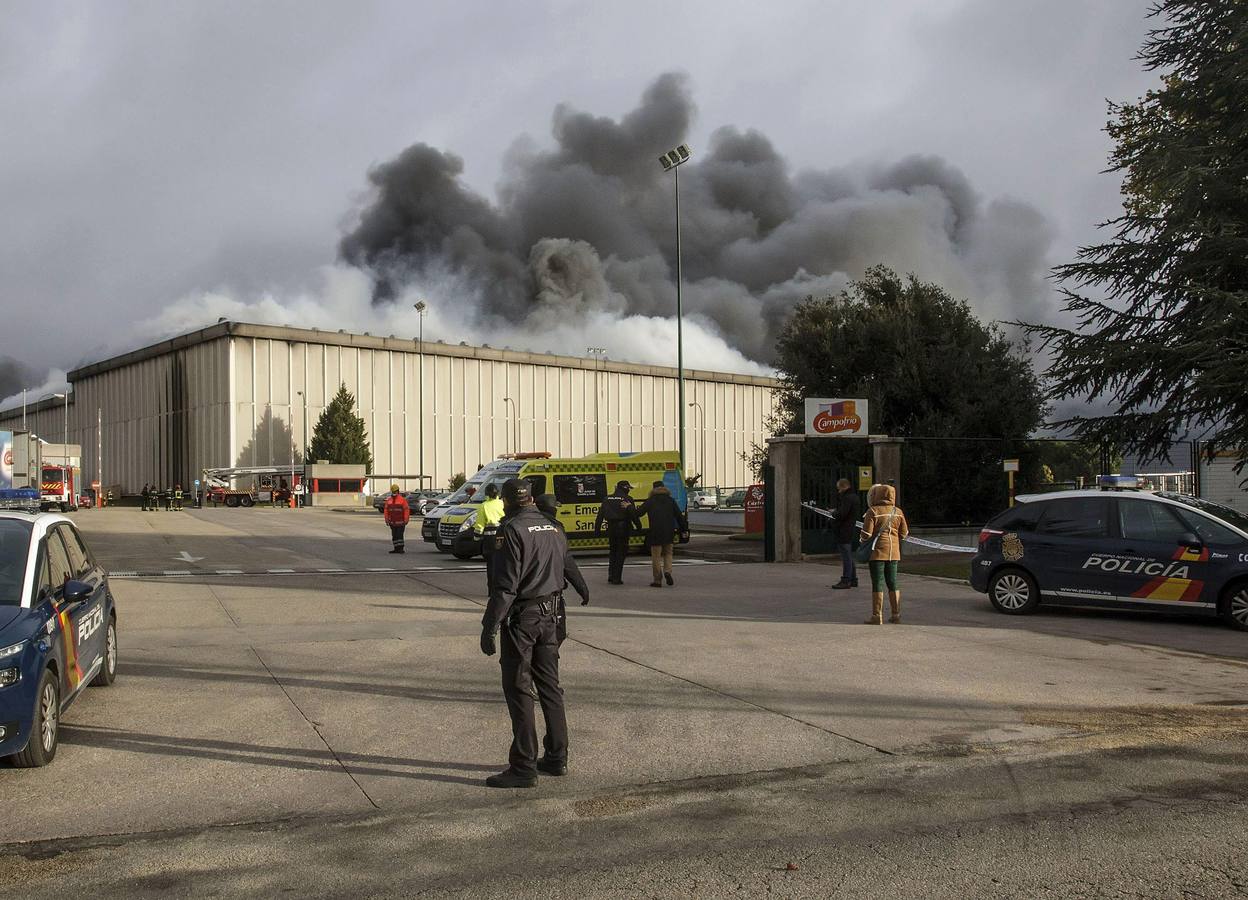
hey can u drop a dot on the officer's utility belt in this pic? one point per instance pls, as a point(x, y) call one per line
point(547, 604)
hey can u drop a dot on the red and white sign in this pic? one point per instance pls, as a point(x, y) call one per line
point(836, 418)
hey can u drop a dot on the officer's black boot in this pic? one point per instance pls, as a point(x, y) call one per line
point(508, 778)
point(550, 766)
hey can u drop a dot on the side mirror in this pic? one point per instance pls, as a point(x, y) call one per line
point(76, 591)
point(1187, 539)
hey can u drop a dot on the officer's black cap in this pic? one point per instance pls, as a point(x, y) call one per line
point(517, 490)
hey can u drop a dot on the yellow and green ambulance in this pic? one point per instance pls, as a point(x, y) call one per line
point(580, 485)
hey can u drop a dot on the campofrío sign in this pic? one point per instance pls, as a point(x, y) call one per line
point(828, 417)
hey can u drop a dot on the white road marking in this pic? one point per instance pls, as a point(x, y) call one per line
point(417, 570)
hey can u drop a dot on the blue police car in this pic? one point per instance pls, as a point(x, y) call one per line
point(1116, 549)
point(58, 631)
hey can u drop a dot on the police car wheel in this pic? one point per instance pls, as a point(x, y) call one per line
point(1013, 592)
point(1235, 606)
point(108, 671)
point(45, 732)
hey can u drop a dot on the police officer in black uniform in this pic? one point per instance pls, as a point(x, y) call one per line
point(619, 512)
point(548, 505)
point(530, 560)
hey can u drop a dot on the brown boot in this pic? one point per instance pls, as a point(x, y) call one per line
point(894, 603)
point(877, 610)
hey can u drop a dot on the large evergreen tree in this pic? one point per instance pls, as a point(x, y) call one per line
point(1166, 342)
point(929, 369)
point(340, 436)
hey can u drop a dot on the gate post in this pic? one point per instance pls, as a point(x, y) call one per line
point(784, 454)
point(887, 456)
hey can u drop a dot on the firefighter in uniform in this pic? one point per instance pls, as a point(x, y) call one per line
point(620, 514)
point(486, 526)
point(530, 561)
point(397, 514)
point(177, 497)
point(147, 496)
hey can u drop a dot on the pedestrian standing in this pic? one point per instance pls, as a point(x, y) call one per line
point(147, 496)
point(486, 526)
point(177, 497)
point(666, 520)
point(529, 558)
point(846, 514)
point(397, 514)
point(619, 513)
point(885, 525)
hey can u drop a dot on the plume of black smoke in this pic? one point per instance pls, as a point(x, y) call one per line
point(587, 227)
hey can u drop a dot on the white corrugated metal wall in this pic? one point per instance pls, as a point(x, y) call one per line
point(237, 394)
point(471, 406)
point(1220, 482)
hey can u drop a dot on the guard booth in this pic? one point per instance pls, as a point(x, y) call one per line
point(336, 485)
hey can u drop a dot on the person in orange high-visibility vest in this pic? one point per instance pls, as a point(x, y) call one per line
point(397, 514)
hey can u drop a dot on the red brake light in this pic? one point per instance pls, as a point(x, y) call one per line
point(986, 533)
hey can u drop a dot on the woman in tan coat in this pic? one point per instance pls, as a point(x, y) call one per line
point(885, 518)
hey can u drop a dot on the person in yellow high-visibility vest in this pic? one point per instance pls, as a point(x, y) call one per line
point(486, 526)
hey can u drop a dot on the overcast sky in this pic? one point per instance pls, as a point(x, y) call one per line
point(154, 150)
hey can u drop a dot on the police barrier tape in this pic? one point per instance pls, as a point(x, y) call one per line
point(920, 542)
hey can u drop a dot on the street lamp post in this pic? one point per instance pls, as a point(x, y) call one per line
point(420, 306)
point(516, 409)
point(671, 161)
point(65, 424)
point(304, 483)
point(597, 353)
point(702, 418)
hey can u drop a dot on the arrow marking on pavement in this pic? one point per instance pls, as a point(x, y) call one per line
point(186, 557)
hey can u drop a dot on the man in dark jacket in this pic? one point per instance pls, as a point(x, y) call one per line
point(619, 512)
point(666, 520)
point(843, 525)
point(530, 558)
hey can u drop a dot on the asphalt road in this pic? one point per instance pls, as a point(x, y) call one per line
point(292, 729)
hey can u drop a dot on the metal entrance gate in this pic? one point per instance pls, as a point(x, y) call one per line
point(819, 487)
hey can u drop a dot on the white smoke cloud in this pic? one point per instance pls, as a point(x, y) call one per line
point(344, 301)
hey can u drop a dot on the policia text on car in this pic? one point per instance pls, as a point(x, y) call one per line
point(530, 567)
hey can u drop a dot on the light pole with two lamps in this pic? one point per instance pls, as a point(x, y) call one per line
point(702, 418)
point(421, 307)
point(598, 353)
point(672, 161)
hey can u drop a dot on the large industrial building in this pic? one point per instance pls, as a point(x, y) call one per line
point(236, 394)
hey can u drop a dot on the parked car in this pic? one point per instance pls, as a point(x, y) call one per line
point(703, 500)
point(419, 502)
point(1116, 549)
point(735, 500)
point(58, 631)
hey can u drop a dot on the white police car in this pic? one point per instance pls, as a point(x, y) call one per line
point(58, 631)
point(1120, 549)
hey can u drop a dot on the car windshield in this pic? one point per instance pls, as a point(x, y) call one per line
point(14, 548)
point(1232, 517)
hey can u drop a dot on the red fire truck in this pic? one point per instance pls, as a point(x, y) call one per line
point(59, 488)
